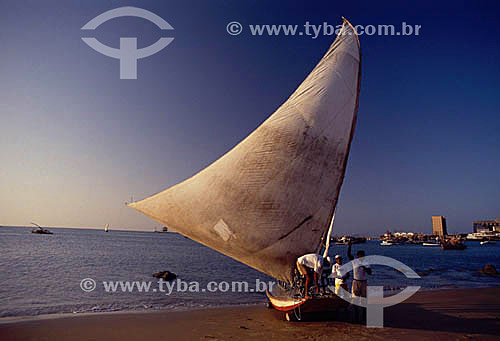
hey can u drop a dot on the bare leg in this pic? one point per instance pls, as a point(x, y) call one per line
point(316, 281)
point(303, 272)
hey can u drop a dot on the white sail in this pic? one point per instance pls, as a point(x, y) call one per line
point(106, 228)
point(271, 198)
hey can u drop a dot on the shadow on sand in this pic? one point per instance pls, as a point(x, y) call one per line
point(469, 319)
point(466, 319)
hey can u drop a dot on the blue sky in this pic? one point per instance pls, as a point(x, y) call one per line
point(77, 142)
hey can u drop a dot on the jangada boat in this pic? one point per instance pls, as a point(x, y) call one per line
point(40, 230)
point(272, 198)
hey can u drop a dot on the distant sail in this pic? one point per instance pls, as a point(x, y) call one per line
point(270, 199)
point(106, 228)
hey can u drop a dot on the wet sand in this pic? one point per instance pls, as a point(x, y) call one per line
point(436, 315)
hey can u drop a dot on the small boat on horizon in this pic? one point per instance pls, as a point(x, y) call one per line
point(106, 228)
point(386, 243)
point(453, 244)
point(40, 230)
point(346, 239)
point(484, 235)
point(431, 244)
point(487, 242)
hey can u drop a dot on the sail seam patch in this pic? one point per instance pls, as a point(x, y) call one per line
point(223, 230)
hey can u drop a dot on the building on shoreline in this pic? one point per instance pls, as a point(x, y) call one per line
point(439, 225)
point(486, 225)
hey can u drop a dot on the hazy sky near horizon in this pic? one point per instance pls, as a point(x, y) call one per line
point(77, 142)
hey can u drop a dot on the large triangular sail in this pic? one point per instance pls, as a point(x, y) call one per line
point(271, 198)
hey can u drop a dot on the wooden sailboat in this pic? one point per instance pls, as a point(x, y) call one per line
point(272, 197)
point(40, 230)
point(452, 244)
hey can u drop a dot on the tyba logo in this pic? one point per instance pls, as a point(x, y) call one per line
point(375, 302)
point(128, 52)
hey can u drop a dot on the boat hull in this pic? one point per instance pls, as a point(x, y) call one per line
point(454, 247)
point(325, 303)
point(41, 232)
point(285, 303)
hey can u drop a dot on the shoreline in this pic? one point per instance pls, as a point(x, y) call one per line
point(442, 314)
point(50, 316)
point(55, 316)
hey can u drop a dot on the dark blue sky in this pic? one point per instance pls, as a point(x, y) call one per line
point(76, 141)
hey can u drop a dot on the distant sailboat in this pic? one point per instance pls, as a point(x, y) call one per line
point(272, 197)
point(40, 230)
point(106, 228)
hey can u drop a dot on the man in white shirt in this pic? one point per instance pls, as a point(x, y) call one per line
point(359, 269)
point(310, 264)
point(359, 284)
point(338, 274)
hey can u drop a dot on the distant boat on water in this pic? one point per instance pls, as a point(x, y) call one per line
point(106, 228)
point(385, 243)
point(40, 230)
point(484, 235)
point(452, 244)
point(487, 242)
point(431, 244)
point(164, 229)
point(346, 239)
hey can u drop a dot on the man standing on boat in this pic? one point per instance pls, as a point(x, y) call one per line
point(360, 270)
point(310, 265)
point(339, 276)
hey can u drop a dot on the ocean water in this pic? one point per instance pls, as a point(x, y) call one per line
point(41, 274)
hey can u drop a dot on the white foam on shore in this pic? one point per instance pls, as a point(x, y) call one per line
point(42, 317)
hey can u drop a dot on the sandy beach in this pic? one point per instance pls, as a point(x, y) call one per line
point(446, 314)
